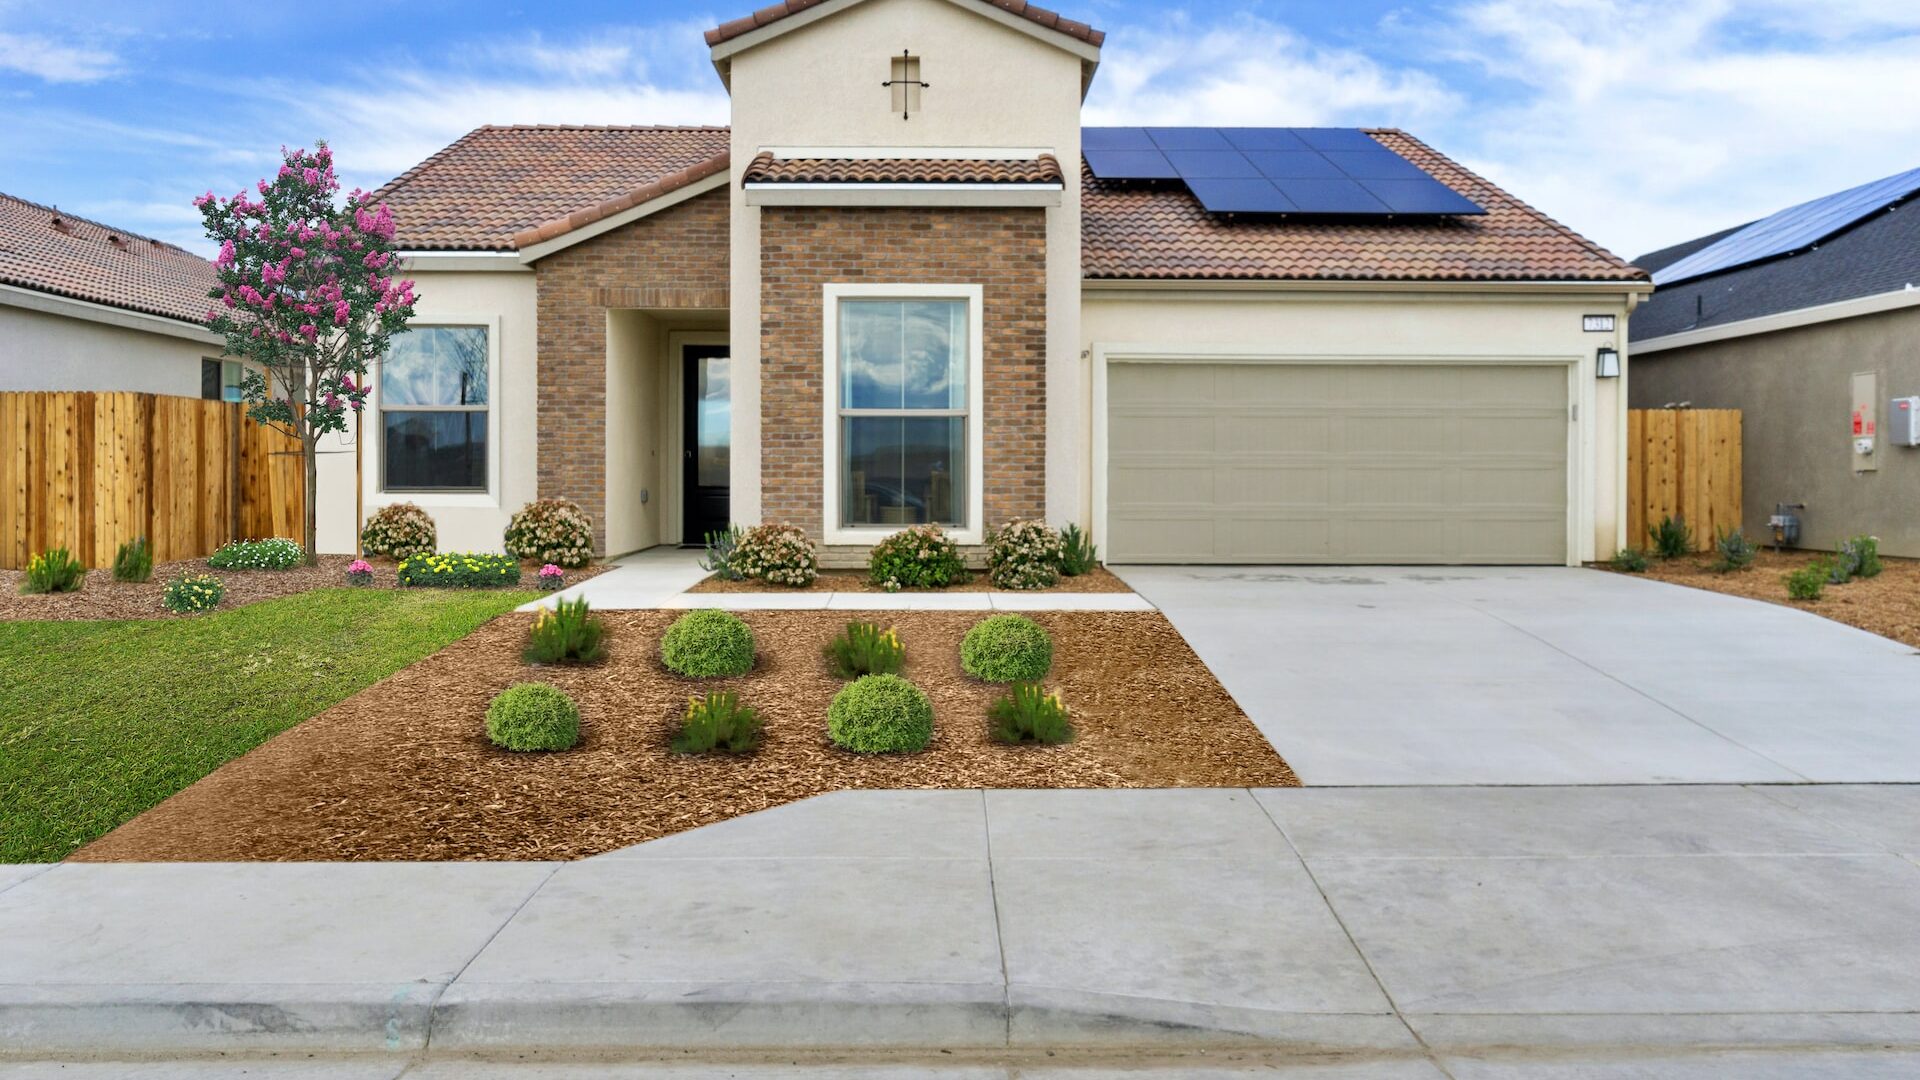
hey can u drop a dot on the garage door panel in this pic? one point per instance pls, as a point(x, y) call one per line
point(1331, 463)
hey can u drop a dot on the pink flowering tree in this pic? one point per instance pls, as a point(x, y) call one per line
point(307, 295)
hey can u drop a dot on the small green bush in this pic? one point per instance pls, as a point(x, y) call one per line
point(53, 571)
point(864, 649)
point(777, 555)
point(533, 716)
point(189, 593)
point(565, 634)
point(917, 557)
point(1735, 550)
point(553, 531)
point(1007, 648)
point(1078, 555)
point(717, 722)
point(707, 644)
point(720, 559)
point(1807, 582)
point(1630, 561)
point(1029, 714)
point(880, 714)
point(1860, 557)
point(461, 570)
point(1672, 537)
point(278, 553)
point(1024, 555)
point(133, 561)
point(399, 531)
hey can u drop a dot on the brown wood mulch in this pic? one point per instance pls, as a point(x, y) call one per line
point(101, 597)
point(1887, 604)
point(403, 769)
point(1099, 580)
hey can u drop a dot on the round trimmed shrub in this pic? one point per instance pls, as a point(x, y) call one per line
point(553, 531)
point(533, 716)
point(1007, 648)
point(917, 557)
point(706, 644)
point(777, 555)
point(1024, 555)
point(880, 714)
point(399, 531)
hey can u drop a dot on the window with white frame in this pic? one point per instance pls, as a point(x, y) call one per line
point(433, 410)
point(905, 408)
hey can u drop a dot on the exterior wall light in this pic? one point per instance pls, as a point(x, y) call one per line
point(1606, 362)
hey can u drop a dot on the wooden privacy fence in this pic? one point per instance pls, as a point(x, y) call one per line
point(1684, 463)
point(90, 471)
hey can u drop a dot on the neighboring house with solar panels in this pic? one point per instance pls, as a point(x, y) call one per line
point(86, 306)
point(1808, 321)
point(906, 285)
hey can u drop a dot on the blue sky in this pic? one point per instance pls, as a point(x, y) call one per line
point(1639, 123)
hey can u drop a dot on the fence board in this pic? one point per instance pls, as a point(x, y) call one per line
point(91, 471)
point(1683, 463)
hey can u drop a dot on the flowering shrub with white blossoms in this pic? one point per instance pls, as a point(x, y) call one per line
point(917, 557)
point(551, 531)
point(399, 531)
point(777, 555)
point(1023, 555)
point(278, 553)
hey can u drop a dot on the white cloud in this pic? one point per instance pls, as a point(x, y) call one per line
point(45, 58)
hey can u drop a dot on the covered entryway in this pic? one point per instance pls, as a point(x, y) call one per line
point(1270, 461)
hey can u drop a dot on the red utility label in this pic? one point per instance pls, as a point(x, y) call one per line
point(1858, 424)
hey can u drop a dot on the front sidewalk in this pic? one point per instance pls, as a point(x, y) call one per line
point(1385, 924)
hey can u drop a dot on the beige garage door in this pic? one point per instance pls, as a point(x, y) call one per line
point(1336, 463)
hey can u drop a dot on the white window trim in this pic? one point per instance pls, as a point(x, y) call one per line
point(375, 444)
point(833, 294)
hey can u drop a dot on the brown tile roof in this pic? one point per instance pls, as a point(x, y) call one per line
point(766, 169)
point(1130, 231)
point(495, 183)
point(727, 31)
point(90, 261)
point(644, 193)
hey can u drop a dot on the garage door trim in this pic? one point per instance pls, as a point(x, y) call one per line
point(1579, 403)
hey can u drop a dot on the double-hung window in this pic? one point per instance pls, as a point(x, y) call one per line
point(904, 401)
point(433, 410)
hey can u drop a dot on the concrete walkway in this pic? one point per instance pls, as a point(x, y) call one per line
point(660, 577)
point(1403, 930)
point(1549, 675)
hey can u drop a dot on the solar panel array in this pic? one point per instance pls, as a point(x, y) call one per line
point(1335, 171)
point(1792, 229)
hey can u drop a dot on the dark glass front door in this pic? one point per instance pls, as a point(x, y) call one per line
point(707, 437)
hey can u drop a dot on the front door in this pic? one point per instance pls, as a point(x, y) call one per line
point(707, 438)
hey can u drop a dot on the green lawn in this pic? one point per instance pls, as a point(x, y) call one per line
point(99, 721)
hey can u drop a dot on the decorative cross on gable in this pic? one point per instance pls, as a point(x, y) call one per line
point(906, 78)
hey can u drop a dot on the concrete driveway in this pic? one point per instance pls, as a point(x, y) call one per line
point(1549, 675)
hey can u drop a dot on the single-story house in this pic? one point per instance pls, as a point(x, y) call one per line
point(905, 284)
point(1808, 321)
point(86, 306)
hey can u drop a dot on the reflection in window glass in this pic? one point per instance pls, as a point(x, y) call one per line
point(903, 471)
point(433, 410)
point(903, 406)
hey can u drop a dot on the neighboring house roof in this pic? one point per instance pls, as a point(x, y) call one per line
point(727, 31)
point(1655, 261)
point(766, 169)
point(1879, 254)
point(87, 260)
point(495, 183)
point(1160, 231)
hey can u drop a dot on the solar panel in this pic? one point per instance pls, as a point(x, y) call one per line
point(1792, 229)
point(1274, 170)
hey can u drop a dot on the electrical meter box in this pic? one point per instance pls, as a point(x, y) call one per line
point(1903, 421)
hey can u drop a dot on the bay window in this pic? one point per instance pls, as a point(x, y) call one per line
point(434, 397)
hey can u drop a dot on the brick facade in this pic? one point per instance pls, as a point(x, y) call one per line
point(674, 258)
point(803, 249)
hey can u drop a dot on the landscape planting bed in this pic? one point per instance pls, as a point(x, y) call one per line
point(1099, 580)
point(104, 598)
point(1887, 604)
point(403, 771)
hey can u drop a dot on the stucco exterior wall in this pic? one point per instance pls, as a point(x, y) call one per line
point(1794, 389)
point(43, 351)
point(1387, 322)
point(996, 91)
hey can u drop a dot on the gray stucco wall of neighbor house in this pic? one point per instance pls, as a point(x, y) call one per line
point(1794, 388)
point(43, 351)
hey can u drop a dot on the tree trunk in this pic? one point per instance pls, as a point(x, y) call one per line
point(310, 448)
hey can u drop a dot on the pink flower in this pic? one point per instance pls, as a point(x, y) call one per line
point(311, 176)
point(341, 312)
point(226, 256)
point(309, 331)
